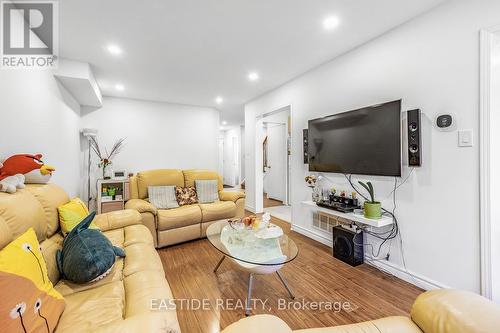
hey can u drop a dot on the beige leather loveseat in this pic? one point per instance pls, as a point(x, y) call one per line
point(437, 311)
point(120, 302)
point(177, 225)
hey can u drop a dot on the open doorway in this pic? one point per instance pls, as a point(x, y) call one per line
point(232, 155)
point(275, 129)
point(490, 163)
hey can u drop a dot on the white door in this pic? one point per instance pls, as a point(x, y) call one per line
point(277, 169)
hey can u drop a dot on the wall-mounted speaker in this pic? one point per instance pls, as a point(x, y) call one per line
point(305, 140)
point(414, 138)
point(348, 246)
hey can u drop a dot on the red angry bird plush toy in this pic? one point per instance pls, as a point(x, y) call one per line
point(31, 166)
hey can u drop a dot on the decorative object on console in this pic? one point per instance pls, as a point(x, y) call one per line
point(186, 195)
point(87, 255)
point(312, 182)
point(35, 171)
point(373, 209)
point(341, 202)
point(105, 158)
point(29, 301)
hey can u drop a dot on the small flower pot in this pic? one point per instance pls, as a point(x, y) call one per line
point(373, 210)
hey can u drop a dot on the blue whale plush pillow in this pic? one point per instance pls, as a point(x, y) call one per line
point(87, 255)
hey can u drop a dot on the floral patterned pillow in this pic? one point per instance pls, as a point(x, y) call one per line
point(186, 195)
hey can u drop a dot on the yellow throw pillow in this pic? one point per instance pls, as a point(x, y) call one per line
point(73, 213)
point(29, 302)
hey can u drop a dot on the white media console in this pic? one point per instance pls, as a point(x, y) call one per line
point(378, 223)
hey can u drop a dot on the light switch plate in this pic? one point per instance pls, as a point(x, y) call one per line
point(465, 138)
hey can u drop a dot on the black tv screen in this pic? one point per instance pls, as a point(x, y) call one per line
point(366, 141)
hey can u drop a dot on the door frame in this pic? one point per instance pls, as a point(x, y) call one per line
point(259, 174)
point(486, 41)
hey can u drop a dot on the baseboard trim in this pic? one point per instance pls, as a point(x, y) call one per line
point(314, 235)
point(408, 276)
point(383, 265)
point(250, 208)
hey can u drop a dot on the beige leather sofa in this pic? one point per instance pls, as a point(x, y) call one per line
point(188, 222)
point(438, 311)
point(118, 303)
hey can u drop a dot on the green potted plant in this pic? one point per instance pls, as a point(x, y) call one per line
point(373, 209)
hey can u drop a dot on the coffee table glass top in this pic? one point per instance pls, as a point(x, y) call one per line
point(245, 246)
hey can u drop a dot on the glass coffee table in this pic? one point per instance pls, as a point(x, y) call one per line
point(251, 253)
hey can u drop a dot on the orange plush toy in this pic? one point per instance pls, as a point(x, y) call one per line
point(31, 166)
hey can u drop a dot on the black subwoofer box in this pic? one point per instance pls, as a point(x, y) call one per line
point(348, 246)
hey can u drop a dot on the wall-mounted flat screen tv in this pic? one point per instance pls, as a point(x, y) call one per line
point(366, 141)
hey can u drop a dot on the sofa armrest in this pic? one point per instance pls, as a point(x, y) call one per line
point(258, 324)
point(231, 195)
point(451, 311)
point(142, 206)
point(117, 219)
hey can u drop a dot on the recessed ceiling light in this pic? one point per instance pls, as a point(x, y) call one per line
point(221, 128)
point(114, 49)
point(120, 87)
point(224, 122)
point(219, 100)
point(253, 76)
point(331, 22)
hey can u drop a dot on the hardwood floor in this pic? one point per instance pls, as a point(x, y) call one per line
point(313, 276)
point(271, 202)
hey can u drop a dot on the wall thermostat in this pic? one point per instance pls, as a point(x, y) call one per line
point(445, 122)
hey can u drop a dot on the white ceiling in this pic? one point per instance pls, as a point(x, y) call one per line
point(190, 51)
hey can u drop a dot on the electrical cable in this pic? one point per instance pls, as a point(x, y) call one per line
point(393, 233)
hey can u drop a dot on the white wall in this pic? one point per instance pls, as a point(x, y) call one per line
point(495, 166)
point(432, 63)
point(39, 116)
point(158, 135)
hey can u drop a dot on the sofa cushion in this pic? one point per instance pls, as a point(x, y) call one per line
point(87, 310)
point(50, 197)
point(186, 195)
point(218, 211)
point(190, 176)
point(20, 211)
point(158, 178)
point(207, 191)
point(72, 213)
point(27, 292)
point(125, 238)
point(179, 217)
point(163, 197)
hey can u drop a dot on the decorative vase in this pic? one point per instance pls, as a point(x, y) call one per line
point(106, 172)
point(373, 210)
point(316, 194)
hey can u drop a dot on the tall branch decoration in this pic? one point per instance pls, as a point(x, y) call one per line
point(105, 157)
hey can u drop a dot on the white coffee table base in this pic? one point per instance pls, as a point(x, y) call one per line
point(257, 269)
